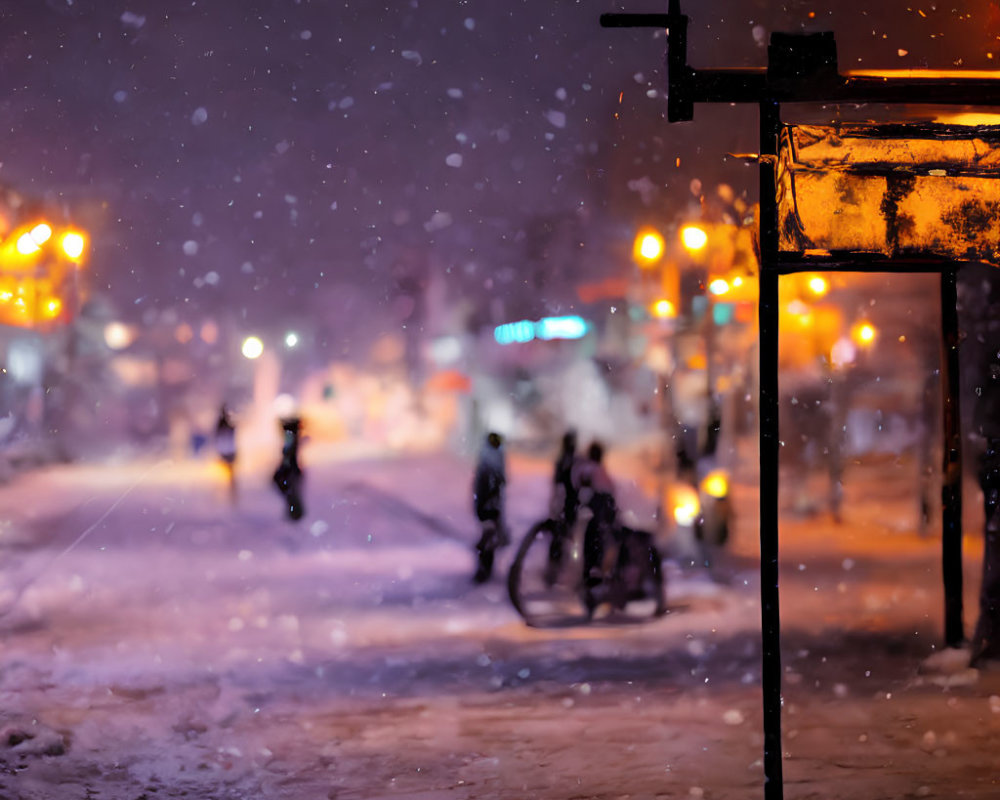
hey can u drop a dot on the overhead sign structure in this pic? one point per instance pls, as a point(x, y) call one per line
point(918, 198)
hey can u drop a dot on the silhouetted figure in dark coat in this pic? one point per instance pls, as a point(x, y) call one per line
point(288, 476)
point(596, 491)
point(488, 500)
point(225, 446)
point(564, 505)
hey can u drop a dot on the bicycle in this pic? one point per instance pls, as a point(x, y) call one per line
point(547, 586)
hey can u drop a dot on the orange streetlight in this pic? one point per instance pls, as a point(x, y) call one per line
point(664, 309)
point(73, 244)
point(863, 333)
point(648, 247)
point(818, 285)
point(693, 238)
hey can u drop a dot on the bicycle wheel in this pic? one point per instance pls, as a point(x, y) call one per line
point(544, 578)
point(638, 587)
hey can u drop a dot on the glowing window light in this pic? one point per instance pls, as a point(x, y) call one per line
point(648, 247)
point(117, 335)
point(686, 506)
point(252, 348)
point(32, 241)
point(209, 332)
point(693, 237)
point(664, 309)
point(53, 306)
point(41, 233)
point(718, 286)
point(843, 353)
point(864, 333)
point(73, 244)
point(818, 285)
point(26, 245)
point(715, 484)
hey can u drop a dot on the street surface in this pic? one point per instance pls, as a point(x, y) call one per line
point(160, 643)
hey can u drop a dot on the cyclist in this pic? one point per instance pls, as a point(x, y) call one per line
point(564, 505)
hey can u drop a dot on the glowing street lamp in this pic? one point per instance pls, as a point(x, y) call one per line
point(118, 336)
point(291, 339)
point(252, 348)
point(664, 309)
point(73, 244)
point(818, 285)
point(693, 238)
point(719, 286)
point(863, 333)
point(648, 247)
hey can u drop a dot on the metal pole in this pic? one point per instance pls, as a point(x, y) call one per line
point(951, 484)
point(770, 125)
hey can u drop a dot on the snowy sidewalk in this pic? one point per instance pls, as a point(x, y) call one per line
point(185, 648)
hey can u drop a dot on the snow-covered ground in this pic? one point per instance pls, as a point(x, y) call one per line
point(159, 642)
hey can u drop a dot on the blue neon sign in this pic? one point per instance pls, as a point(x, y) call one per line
point(547, 328)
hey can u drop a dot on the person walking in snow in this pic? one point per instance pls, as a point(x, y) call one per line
point(225, 446)
point(288, 476)
point(488, 503)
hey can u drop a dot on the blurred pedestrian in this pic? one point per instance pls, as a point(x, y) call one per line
point(225, 446)
point(596, 490)
point(565, 500)
point(488, 502)
point(563, 507)
point(288, 477)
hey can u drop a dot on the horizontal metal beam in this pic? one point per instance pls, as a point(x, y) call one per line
point(845, 261)
point(636, 20)
point(756, 85)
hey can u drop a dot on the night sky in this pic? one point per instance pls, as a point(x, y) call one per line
point(287, 158)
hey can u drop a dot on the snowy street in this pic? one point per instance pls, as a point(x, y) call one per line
point(160, 643)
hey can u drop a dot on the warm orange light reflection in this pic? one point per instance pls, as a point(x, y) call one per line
point(26, 245)
point(919, 74)
point(693, 237)
point(73, 244)
point(648, 247)
point(863, 333)
point(818, 285)
point(664, 309)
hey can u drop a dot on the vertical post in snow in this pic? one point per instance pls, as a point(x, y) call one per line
point(770, 125)
point(951, 484)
